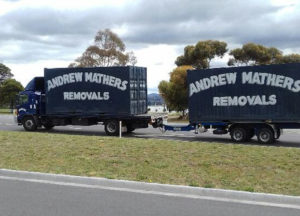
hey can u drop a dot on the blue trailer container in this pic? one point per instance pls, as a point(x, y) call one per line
point(86, 96)
point(254, 93)
point(244, 101)
point(101, 90)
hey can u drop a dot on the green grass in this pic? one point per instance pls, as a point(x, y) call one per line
point(177, 119)
point(3, 110)
point(211, 165)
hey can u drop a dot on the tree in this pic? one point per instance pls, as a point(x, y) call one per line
point(175, 92)
point(256, 54)
point(291, 58)
point(8, 91)
point(239, 57)
point(187, 58)
point(108, 50)
point(253, 54)
point(132, 58)
point(200, 55)
point(275, 54)
point(5, 73)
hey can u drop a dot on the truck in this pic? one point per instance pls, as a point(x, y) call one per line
point(244, 101)
point(86, 96)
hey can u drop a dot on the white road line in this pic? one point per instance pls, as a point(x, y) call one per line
point(178, 195)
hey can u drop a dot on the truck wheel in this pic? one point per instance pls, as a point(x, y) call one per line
point(29, 124)
point(266, 136)
point(278, 134)
point(112, 128)
point(238, 134)
point(130, 128)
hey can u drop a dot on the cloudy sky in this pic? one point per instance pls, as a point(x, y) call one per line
point(37, 34)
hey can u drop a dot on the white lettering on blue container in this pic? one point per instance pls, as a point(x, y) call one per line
point(64, 79)
point(256, 100)
point(88, 77)
point(81, 96)
point(273, 80)
point(213, 81)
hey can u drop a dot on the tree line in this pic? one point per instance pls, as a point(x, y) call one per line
point(9, 87)
point(200, 55)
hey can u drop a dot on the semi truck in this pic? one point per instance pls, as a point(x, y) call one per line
point(241, 101)
point(85, 96)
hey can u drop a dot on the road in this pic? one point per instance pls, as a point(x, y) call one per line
point(24, 193)
point(290, 138)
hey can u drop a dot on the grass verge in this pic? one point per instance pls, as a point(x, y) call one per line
point(5, 111)
point(212, 165)
point(176, 119)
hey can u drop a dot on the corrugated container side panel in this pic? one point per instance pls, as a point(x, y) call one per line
point(143, 91)
point(101, 90)
point(270, 92)
point(133, 90)
point(138, 90)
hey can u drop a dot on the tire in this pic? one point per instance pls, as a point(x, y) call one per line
point(265, 136)
point(29, 124)
point(130, 129)
point(279, 134)
point(112, 128)
point(238, 134)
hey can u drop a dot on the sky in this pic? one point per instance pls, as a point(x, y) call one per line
point(38, 34)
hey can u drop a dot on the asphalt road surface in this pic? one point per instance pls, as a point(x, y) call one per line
point(23, 193)
point(43, 194)
point(290, 138)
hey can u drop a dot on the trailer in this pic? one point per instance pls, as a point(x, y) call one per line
point(86, 96)
point(244, 101)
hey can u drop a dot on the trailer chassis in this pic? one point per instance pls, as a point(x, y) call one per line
point(266, 132)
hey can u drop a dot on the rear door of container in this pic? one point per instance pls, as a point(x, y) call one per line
point(138, 90)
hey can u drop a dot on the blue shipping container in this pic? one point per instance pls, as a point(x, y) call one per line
point(246, 94)
point(99, 90)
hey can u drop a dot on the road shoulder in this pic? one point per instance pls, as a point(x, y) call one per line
point(262, 199)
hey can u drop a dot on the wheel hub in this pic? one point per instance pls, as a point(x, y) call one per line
point(29, 123)
point(238, 135)
point(111, 127)
point(264, 136)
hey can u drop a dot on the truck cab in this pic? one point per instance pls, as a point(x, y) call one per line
point(29, 104)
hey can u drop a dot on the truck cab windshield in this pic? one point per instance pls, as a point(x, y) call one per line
point(21, 99)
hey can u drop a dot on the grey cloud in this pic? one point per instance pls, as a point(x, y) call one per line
point(237, 22)
point(181, 22)
point(175, 22)
point(46, 30)
point(48, 22)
